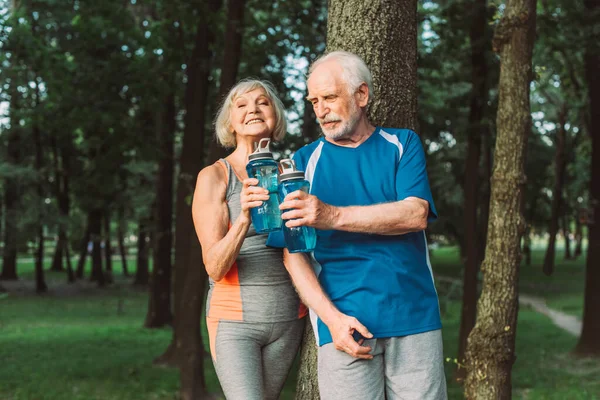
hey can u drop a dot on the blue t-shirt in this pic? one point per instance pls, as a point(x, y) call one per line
point(384, 281)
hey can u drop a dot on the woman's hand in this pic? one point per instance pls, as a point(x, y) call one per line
point(252, 196)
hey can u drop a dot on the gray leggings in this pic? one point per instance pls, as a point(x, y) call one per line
point(253, 360)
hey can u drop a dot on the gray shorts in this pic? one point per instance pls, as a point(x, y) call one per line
point(408, 367)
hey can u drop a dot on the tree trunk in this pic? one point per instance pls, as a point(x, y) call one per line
point(187, 248)
point(559, 180)
point(83, 250)
point(390, 50)
point(96, 236)
point(121, 241)
point(186, 349)
point(389, 47)
point(479, 68)
point(484, 214)
point(142, 274)
point(307, 387)
point(159, 303)
point(40, 283)
point(107, 247)
point(231, 61)
point(566, 234)
point(588, 341)
point(67, 253)
point(578, 238)
point(11, 204)
point(491, 344)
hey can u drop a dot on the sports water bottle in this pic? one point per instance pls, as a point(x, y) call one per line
point(302, 238)
point(267, 217)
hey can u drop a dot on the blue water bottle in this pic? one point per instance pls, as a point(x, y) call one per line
point(301, 239)
point(261, 165)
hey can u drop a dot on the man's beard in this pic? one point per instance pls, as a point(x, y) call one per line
point(346, 128)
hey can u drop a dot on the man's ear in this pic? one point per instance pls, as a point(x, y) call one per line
point(362, 95)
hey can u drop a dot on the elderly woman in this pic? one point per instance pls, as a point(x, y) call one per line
point(253, 314)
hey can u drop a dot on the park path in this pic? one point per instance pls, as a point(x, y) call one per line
point(568, 323)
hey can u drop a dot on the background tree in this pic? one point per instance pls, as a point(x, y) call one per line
point(588, 343)
point(491, 344)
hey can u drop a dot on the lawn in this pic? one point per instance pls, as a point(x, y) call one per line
point(80, 342)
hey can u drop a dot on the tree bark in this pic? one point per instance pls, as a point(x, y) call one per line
point(307, 387)
point(96, 237)
point(389, 47)
point(484, 214)
point(491, 344)
point(588, 341)
point(479, 96)
point(142, 272)
point(159, 303)
point(559, 181)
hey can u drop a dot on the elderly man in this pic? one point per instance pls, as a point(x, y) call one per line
point(377, 318)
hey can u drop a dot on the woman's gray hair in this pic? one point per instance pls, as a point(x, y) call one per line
point(354, 70)
point(224, 131)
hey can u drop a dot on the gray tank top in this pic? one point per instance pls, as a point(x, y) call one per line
point(257, 288)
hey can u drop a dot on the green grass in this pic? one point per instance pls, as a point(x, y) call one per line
point(79, 344)
point(563, 290)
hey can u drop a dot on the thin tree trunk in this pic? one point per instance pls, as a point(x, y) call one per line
point(40, 283)
point(389, 47)
point(142, 272)
point(307, 387)
point(96, 236)
point(559, 179)
point(67, 253)
point(578, 237)
point(231, 61)
point(159, 303)
point(491, 344)
point(588, 341)
point(566, 234)
point(121, 241)
point(11, 204)
point(107, 247)
point(83, 250)
point(479, 43)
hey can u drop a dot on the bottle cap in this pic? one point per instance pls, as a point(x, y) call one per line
point(287, 171)
point(261, 151)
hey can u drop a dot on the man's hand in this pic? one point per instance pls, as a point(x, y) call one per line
point(303, 209)
point(342, 329)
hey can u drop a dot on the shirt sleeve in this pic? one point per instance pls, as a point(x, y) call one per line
point(411, 176)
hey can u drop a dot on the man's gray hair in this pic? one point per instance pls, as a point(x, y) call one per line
point(223, 129)
point(354, 70)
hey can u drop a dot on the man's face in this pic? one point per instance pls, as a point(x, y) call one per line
point(337, 111)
